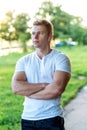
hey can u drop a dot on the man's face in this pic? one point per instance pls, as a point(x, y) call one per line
point(39, 36)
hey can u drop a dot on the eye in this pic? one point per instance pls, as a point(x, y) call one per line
point(33, 33)
point(41, 32)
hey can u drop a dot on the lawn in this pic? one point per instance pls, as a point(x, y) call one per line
point(11, 105)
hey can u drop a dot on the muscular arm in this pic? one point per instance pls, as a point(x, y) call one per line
point(20, 85)
point(54, 89)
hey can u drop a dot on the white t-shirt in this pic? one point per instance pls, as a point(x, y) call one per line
point(39, 71)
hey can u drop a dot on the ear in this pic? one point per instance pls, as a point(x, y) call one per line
point(49, 39)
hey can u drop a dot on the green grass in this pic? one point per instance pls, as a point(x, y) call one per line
point(78, 60)
point(11, 105)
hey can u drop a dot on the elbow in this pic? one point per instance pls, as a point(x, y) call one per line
point(14, 89)
point(57, 93)
point(60, 92)
point(52, 95)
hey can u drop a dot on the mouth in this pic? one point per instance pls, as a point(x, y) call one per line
point(35, 42)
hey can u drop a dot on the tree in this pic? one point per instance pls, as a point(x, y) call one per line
point(65, 25)
point(84, 36)
point(6, 27)
point(22, 29)
point(15, 28)
point(59, 18)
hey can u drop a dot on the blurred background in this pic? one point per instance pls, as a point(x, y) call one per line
point(68, 17)
point(70, 36)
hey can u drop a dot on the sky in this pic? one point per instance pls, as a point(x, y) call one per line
point(74, 7)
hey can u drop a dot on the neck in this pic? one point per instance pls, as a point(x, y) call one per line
point(41, 53)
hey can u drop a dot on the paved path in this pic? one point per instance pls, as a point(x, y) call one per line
point(76, 112)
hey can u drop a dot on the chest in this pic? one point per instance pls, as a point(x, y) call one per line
point(40, 70)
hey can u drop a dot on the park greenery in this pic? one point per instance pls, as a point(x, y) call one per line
point(11, 105)
point(66, 27)
point(17, 28)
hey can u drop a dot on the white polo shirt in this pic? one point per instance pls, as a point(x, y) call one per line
point(39, 71)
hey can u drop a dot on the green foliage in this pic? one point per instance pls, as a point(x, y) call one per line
point(15, 28)
point(6, 27)
point(65, 25)
point(23, 38)
point(11, 105)
point(21, 29)
point(59, 18)
point(84, 37)
point(21, 22)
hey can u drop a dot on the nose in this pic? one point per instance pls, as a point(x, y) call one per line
point(36, 35)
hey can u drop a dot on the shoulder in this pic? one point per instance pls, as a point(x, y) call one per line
point(60, 55)
point(62, 61)
point(23, 62)
point(26, 58)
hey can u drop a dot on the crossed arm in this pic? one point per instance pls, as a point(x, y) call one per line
point(20, 86)
point(45, 91)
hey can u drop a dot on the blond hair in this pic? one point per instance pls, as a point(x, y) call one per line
point(47, 24)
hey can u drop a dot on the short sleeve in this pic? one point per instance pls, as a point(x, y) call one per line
point(63, 63)
point(20, 65)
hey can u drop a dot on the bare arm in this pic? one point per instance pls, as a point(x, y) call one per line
point(54, 89)
point(20, 85)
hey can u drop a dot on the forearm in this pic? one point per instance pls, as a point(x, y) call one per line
point(26, 89)
point(50, 92)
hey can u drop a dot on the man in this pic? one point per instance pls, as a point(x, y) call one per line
point(42, 77)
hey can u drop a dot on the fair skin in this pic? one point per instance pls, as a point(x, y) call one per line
point(20, 85)
point(41, 41)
